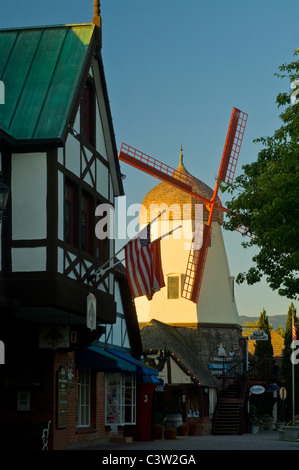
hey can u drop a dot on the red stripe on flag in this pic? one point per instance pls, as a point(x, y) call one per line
point(144, 268)
point(294, 333)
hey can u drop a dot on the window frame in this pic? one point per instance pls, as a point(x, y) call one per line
point(169, 279)
point(70, 202)
point(120, 399)
point(84, 399)
point(86, 234)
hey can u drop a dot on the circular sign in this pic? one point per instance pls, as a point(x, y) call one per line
point(257, 389)
point(282, 393)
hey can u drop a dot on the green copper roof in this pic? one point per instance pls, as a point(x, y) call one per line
point(41, 69)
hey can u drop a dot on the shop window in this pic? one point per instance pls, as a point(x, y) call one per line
point(87, 118)
point(173, 286)
point(120, 399)
point(83, 401)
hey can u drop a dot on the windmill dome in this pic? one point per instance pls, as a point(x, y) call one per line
point(164, 194)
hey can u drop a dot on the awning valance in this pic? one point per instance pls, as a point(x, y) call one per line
point(98, 358)
point(107, 359)
point(141, 367)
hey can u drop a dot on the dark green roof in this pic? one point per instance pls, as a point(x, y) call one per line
point(42, 70)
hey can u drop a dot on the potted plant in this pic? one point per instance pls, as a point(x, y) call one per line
point(268, 423)
point(170, 433)
point(279, 425)
point(291, 431)
point(254, 419)
point(183, 430)
point(193, 427)
point(158, 431)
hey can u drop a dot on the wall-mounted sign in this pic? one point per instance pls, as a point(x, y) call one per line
point(54, 336)
point(283, 393)
point(257, 389)
point(272, 388)
point(258, 335)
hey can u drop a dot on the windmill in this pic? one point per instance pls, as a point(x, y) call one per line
point(197, 256)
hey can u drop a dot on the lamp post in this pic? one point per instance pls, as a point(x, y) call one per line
point(4, 193)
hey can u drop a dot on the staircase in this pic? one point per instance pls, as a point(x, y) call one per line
point(230, 416)
point(229, 413)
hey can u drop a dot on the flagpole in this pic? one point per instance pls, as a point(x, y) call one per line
point(118, 262)
point(121, 249)
point(293, 370)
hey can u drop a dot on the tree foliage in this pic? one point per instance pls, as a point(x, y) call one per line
point(264, 347)
point(267, 201)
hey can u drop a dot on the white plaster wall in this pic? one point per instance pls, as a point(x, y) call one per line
point(29, 259)
point(72, 155)
point(29, 196)
point(216, 302)
point(178, 376)
point(119, 304)
point(102, 179)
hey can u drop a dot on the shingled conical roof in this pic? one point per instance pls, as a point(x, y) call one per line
point(183, 204)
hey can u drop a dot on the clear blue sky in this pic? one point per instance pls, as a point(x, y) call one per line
point(174, 70)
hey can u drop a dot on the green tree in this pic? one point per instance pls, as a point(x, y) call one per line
point(267, 201)
point(264, 347)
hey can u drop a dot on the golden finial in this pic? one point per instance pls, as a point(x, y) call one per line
point(181, 156)
point(97, 13)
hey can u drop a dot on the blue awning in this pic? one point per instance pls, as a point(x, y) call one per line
point(149, 374)
point(98, 358)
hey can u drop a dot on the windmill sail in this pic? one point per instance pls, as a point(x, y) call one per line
point(197, 258)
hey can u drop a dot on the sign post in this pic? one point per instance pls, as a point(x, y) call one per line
point(282, 394)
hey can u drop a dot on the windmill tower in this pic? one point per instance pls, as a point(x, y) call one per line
point(199, 290)
point(215, 303)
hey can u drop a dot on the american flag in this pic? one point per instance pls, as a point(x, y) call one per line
point(143, 265)
point(294, 331)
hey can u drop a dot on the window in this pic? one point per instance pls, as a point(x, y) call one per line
point(128, 399)
point(173, 286)
point(70, 203)
point(80, 222)
point(120, 399)
point(83, 401)
point(85, 223)
point(87, 120)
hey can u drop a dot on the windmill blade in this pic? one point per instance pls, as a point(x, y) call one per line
point(196, 265)
point(232, 146)
point(163, 172)
point(244, 231)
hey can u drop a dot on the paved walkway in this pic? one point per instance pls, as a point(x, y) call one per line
point(261, 441)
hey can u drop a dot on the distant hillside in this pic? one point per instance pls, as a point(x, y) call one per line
point(276, 320)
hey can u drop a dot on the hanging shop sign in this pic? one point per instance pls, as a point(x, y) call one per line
point(257, 389)
point(91, 316)
point(258, 335)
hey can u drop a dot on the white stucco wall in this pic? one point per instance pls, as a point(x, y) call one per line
point(216, 302)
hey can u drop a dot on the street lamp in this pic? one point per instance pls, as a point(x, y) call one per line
point(4, 193)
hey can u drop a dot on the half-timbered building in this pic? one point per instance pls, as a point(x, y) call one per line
point(58, 157)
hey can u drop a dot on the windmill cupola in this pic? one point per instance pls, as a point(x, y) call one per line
point(181, 204)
